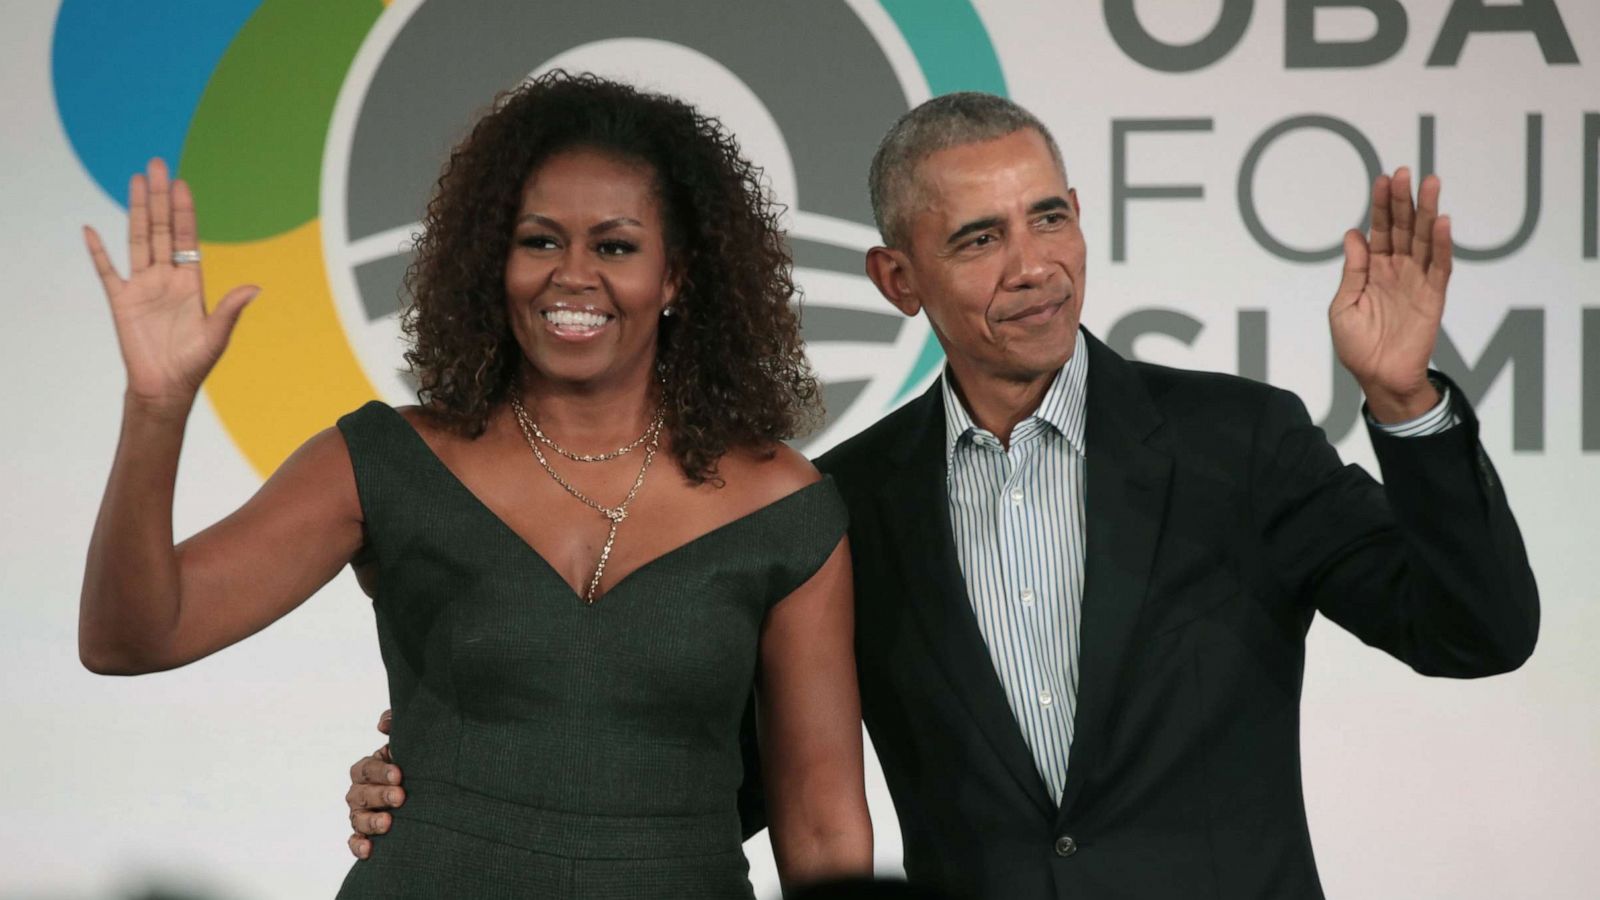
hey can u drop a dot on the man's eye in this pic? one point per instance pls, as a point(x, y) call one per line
point(982, 240)
point(1051, 220)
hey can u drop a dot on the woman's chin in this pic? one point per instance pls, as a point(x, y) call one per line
point(585, 375)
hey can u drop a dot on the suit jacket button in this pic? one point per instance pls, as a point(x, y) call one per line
point(1066, 846)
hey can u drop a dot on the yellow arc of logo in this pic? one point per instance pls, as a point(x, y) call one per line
point(289, 371)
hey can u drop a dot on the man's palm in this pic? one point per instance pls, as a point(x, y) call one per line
point(1385, 316)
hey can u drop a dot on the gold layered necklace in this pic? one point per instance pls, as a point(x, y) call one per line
point(651, 440)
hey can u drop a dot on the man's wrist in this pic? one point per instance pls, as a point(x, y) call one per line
point(1441, 417)
point(1391, 407)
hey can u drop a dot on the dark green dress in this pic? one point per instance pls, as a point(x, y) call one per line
point(554, 749)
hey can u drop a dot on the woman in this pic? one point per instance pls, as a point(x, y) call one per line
point(582, 547)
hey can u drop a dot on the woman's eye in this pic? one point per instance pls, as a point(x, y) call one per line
point(537, 242)
point(616, 248)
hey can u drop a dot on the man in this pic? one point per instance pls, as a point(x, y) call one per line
point(1083, 584)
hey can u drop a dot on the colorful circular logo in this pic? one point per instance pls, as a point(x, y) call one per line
point(312, 134)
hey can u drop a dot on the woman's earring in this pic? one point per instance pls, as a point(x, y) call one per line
point(670, 311)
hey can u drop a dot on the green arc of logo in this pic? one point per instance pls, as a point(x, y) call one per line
point(255, 155)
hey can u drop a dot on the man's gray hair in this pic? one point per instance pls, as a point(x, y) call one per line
point(949, 120)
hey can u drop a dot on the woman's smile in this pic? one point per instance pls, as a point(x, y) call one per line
point(577, 325)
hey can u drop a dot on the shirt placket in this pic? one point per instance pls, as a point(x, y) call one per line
point(1039, 699)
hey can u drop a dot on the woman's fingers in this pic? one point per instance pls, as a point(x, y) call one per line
point(160, 214)
point(138, 225)
point(160, 218)
point(185, 236)
point(223, 319)
point(109, 279)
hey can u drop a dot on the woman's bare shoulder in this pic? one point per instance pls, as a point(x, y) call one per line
point(763, 475)
point(419, 418)
point(435, 432)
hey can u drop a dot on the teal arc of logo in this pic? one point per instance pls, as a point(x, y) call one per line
point(955, 54)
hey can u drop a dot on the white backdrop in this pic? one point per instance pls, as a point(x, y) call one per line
point(227, 777)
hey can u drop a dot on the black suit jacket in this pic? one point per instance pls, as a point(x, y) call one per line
point(1219, 521)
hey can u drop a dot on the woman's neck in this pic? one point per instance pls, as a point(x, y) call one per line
point(590, 418)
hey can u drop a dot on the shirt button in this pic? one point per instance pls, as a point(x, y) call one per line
point(1016, 496)
point(1066, 846)
point(1027, 596)
point(1045, 697)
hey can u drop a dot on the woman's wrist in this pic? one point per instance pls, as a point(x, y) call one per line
point(170, 410)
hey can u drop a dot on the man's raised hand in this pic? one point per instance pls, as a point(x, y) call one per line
point(1385, 316)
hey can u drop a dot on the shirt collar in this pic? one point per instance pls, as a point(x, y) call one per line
point(1063, 408)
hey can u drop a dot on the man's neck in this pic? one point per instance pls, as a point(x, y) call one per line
point(998, 405)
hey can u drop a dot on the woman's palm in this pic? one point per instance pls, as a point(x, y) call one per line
point(168, 340)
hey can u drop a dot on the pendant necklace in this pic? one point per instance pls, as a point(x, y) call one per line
point(651, 440)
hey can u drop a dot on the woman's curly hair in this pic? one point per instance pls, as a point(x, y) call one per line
point(735, 371)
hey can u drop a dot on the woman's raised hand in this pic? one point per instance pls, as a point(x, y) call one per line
point(169, 342)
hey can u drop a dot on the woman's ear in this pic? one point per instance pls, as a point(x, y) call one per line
point(671, 288)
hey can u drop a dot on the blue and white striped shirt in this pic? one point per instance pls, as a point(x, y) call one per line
point(1018, 519)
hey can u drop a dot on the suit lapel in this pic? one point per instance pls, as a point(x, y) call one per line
point(1125, 503)
point(914, 507)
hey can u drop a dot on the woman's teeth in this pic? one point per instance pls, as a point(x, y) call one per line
point(572, 318)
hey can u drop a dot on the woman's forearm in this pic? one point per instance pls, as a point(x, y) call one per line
point(131, 601)
point(839, 848)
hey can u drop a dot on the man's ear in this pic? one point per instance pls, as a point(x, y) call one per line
point(890, 273)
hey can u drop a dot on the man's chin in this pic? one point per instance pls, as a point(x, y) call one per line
point(1034, 368)
point(1045, 357)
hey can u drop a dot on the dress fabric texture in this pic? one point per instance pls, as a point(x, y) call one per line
point(551, 748)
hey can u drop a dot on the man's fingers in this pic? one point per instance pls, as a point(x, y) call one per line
point(370, 823)
point(383, 753)
point(1444, 254)
point(1357, 261)
point(160, 213)
point(1382, 242)
point(1427, 214)
point(109, 278)
point(371, 770)
point(138, 225)
point(385, 721)
point(1401, 211)
point(373, 797)
point(360, 847)
point(367, 770)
